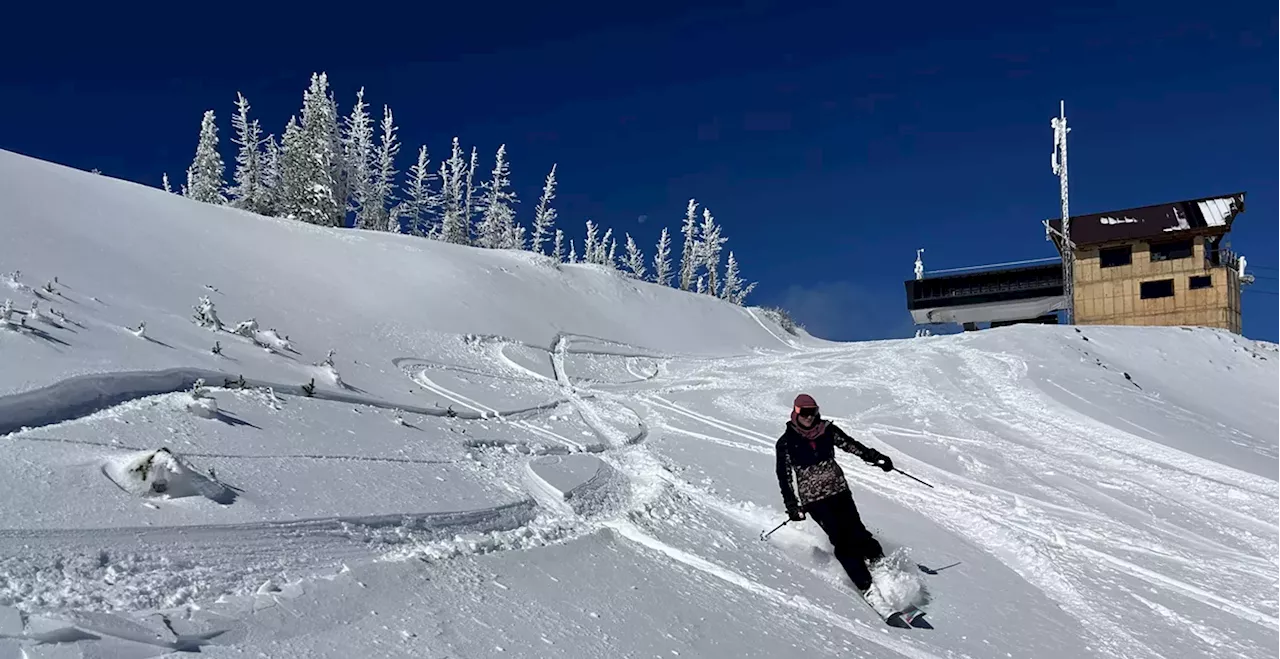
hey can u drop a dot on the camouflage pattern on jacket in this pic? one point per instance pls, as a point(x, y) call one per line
point(812, 465)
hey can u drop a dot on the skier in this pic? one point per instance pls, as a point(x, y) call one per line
point(807, 447)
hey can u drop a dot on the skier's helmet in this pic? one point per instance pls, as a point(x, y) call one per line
point(805, 406)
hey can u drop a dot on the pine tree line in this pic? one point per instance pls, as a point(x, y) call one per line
point(341, 171)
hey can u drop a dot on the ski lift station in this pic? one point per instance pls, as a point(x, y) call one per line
point(1165, 264)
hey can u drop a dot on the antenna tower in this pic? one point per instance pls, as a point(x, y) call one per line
point(1060, 131)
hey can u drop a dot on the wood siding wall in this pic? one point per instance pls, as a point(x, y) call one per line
point(1111, 296)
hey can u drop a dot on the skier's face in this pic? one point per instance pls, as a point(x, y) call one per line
point(805, 416)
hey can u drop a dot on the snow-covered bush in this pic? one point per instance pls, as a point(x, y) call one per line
point(34, 315)
point(206, 315)
point(246, 328)
point(328, 371)
point(271, 340)
point(162, 473)
point(783, 319)
point(13, 281)
point(202, 403)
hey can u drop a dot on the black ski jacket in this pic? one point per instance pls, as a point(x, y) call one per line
point(817, 475)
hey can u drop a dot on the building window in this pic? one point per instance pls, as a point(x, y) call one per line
point(1170, 251)
point(1158, 288)
point(1200, 281)
point(1111, 257)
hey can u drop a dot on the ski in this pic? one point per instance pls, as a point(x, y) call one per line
point(914, 616)
point(905, 619)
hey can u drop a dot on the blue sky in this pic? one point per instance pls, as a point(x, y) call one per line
point(830, 140)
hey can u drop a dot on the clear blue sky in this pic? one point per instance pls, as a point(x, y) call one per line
point(830, 141)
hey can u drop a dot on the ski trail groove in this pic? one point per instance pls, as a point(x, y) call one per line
point(798, 603)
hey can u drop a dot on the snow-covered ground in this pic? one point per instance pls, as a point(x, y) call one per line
point(512, 458)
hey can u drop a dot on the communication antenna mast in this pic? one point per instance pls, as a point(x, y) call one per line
point(1060, 131)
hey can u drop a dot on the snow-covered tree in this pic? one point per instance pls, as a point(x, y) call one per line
point(204, 176)
point(164, 180)
point(384, 176)
point(689, 257)
point(701, 286)
point(420, 204)
point(311, 159)
point(469, 189)
point(734, 289)
point(497, 220)
point(589, 243)
point(293, 168)
point(544, 216)
point(662, 259)
point(711, 244)
point(573, 253)
point(455, 226)
point(247, 193)
point(635, 260)
point(611, 257)
point(270, 176)
point(357, 159)
point(557, 247)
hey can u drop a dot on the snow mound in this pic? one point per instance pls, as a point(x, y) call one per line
point(578, 483)
point(161, 473)
point(200, 402)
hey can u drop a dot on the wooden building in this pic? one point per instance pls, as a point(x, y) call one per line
point(1157, 265)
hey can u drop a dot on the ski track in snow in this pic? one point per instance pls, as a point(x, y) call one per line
point(1030, 542)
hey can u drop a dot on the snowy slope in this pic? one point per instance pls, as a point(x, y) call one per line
point(527, 460)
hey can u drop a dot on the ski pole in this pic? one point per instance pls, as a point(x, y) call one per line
point(765, 536)
point(910, 476)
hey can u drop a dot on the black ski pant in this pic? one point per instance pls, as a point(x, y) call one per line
point(853, 544)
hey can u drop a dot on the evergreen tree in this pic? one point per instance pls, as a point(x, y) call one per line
point(662, 259)
point(292, 171)
point(690, 256)
point(247, 193)
point(384, 172)
point(419, 202)
point(204, 176)
point(270, 177)
point(573, 253)
point(732, 281)
point(469, 198)
point(609, 258)
point(316, 158)
point(357, 157)
point(497, 220)
point(455, 225)
point(164, 180)
point(589, 243)
point(712, 243)
point(735, 290)
point(635, 260)
point(544, 216)
point(557, 248)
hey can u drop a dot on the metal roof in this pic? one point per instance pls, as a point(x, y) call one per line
point(1168, 220)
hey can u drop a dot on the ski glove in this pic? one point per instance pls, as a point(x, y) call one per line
point(795, 514)
point(880, 460)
